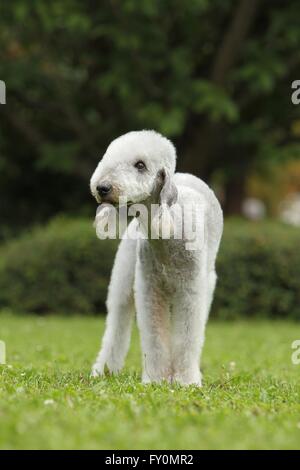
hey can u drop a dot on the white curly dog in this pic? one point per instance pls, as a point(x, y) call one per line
point(168, 286)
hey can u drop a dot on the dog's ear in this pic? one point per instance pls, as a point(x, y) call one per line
point(168, 194)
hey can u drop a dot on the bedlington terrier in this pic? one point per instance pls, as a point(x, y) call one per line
point(169, 286)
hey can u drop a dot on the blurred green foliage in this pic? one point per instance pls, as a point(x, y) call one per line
point(63, 268)
point(213, 75)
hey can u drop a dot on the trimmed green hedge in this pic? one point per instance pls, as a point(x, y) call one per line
point(259, 271)
point(60, 268)
point(64, 268)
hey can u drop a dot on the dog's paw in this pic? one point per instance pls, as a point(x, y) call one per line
point(186, 380)
point(97, 370)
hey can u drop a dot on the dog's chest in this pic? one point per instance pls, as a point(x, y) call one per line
point(167, 263)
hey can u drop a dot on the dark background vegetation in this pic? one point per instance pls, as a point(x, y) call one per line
point(213, 75)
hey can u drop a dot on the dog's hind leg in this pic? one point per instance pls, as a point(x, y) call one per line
point(189, 315)
point(120, 306)
point(153, 317)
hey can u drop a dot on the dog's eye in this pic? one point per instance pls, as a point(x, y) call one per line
point(140, 165)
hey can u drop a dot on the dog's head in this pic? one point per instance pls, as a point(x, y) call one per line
point(137, 166)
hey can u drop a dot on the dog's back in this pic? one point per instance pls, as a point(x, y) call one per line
point(214, 210)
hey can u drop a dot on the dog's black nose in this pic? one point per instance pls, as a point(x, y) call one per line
point(104, 188)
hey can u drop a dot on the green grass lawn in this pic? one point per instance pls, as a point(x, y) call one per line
point(250, 398)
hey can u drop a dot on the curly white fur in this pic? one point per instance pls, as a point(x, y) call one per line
point(170, 288)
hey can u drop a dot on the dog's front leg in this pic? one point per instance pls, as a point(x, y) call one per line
point(120, 305)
